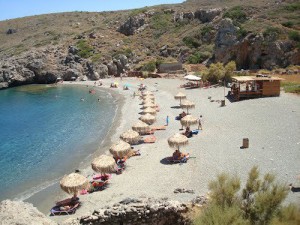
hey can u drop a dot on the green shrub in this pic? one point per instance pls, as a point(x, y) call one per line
point(191, 42)
point(288, 24)
point(259, 202)
point(292, 7)
point(206, 29)
point(236, 14)
point(150, 66)
point(161, 23)
point(272, 33)
point(85, 50)
point(136, 12)
point(291, 87)
point(96, 57)
point(242, 32)
point(294, 35)
point(195, 58)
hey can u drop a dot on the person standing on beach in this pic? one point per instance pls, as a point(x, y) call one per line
point(167, 121)
point(199, 123)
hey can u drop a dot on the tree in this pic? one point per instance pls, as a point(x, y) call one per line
point(216, 71)
point(229, 69)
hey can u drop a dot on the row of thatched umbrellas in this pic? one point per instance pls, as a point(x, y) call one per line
point(75, 182)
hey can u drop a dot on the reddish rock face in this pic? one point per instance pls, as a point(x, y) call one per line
point(253, 51)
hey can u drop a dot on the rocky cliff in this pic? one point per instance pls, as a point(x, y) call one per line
point(46, 65)
point(257, 35)
point(254, 51)
point(21, 213)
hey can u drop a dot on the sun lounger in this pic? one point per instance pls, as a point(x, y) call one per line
point(154, 128)
point(67, 201)
point(102, 177)
point(98, 185)
point(149, 139)
point(182, 160)
point(58, 210)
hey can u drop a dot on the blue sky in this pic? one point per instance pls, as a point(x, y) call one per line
point(19, 8)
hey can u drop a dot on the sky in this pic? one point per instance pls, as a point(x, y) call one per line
point(10, 9)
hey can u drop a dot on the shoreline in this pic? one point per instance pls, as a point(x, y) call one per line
point(274, 147)
point(53, 192)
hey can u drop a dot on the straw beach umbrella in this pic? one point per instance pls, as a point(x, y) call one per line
point(151, 97)
point(149, 104)
point(104, 164)
point(148, 118)
point(73, 183)
point(141, 127)
point(120, 149)
point(148, 100)
point(131, 137)
point(177, 140)
point(188, 120)
point(147, 93)
point(149, 110)
point(187, 104)
point(180, 96)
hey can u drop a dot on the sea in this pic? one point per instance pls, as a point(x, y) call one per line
point(46, 132)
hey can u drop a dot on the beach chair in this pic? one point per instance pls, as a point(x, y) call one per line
point(57, 210)
point(149, 140)
point(99, 185)
point(67, 201)
point(182, 160)
point(154, 128)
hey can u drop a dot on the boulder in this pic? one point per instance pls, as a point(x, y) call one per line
point(112, 68)
point(17, 212)
point(73, 50)
point(208, 15)
point(102, 70)
point(227, 34)
point(71, 73)
point(132, 24)
point(11, 31)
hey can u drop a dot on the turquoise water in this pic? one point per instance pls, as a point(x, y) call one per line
point(45, 132)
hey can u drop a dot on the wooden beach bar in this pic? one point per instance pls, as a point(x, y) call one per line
point(244, 87)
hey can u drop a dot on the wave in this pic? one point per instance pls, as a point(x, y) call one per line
point(34, 190)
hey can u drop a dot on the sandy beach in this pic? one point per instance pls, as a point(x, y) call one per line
point(271, 124)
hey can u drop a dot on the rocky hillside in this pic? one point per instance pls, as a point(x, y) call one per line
point(255, 33)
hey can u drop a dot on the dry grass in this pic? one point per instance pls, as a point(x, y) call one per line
point(61, 29)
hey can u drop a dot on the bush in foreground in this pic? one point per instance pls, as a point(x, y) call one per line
point(259, 202)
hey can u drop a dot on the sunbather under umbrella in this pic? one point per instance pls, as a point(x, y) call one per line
point(104, 164)
point(148, 118)
point(188, 120)
point(73, 183)
point(186, 104)
point(149, 110)
point(131, 137)
point(177, 140)
point(141, 127)
point(120, 149)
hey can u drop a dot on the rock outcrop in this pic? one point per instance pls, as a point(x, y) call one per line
point(22, 213)
point(137, 212)
point(208, 15)
point(133, 24)
point(44, 66)
point(203, 15)
point(128, 211)
point(254, 51)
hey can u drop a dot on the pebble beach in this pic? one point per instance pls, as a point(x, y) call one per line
point(272, 126)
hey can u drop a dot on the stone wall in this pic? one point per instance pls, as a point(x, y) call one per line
point(138, 212)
